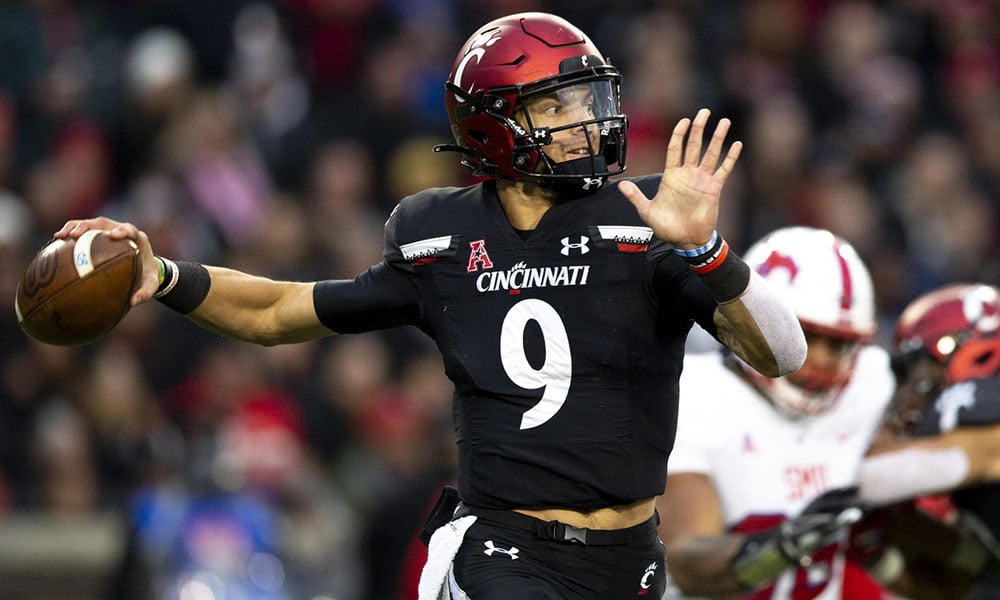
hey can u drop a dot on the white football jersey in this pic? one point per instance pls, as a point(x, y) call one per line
point(766, 467)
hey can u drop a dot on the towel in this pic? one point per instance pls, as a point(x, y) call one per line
point(441, 552)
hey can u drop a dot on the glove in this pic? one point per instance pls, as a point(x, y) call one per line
point(867, 538)
point(868, 546)
point(827, 517)
point(765, 555)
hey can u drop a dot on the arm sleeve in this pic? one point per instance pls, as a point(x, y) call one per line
point(379, 298)
point(777, 323)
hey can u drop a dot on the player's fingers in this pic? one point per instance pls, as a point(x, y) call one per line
point(76, 227)
point(150, 271)
point(123, 230)
point(634, 195)
point(711, 159)
point(70, 226)
point(692, 154)
point(730, 161)
point(675, 148)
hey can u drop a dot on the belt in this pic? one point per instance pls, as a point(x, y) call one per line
point(561, 532)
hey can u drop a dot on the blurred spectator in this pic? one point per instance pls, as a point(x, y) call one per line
point(159, 78)
point(344, 207)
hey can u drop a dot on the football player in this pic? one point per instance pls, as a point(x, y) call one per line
point(942, 436)
point(752, 453)
point(560, 302)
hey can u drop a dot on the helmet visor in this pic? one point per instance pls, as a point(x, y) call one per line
point(573, 120)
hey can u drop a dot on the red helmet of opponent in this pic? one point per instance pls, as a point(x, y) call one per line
point(531, 98)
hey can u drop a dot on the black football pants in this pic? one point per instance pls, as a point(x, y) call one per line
point(500, 562)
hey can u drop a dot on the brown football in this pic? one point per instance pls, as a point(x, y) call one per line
point(75, 291)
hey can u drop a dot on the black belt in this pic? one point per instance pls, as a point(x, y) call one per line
point(556, 530)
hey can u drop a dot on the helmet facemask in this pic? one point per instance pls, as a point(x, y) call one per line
point(818, 384)
point(919, 379)
point(568, 131)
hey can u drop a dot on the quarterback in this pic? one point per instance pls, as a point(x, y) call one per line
point(560, 301)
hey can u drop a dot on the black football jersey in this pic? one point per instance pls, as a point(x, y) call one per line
point(971, 403)
point(564, 345)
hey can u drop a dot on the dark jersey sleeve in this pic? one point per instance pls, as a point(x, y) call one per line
point(381, 297)
point(969, 403)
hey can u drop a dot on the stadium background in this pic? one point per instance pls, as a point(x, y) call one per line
point(276, 136)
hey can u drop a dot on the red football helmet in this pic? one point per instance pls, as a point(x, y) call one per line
point(531, 98)
point(957, 327)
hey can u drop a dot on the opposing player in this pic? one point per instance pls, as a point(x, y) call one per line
point(942, 436)
point(753, 453)
point(559, 302)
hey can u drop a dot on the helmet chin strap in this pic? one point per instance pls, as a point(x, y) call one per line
point(576, 177)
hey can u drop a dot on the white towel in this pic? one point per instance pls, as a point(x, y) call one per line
point(441, 552)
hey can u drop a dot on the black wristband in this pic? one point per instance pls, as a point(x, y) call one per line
point(190, 287)
point(728, 280)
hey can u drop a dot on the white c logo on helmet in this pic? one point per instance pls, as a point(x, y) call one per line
point(477, 51)
point(478, 54)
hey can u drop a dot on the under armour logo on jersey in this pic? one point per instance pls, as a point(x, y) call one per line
point(646, 582)
point(478, 256)
point(491, 548)
point(592, 183)
point(581, 245)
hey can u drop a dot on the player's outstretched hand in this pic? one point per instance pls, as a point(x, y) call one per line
point(117, 230)
point(685, 209)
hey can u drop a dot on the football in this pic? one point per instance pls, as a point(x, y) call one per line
point(75, 291)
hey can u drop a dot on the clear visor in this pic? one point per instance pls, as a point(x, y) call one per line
point(570, 104)
point(572, 121)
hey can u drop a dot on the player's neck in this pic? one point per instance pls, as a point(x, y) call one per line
point(524, 203)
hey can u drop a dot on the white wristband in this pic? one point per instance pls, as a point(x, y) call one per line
point(696, 252)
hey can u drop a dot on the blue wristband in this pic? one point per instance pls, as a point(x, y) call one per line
point(696, 252)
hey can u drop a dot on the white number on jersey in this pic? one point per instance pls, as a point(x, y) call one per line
point(555, 373)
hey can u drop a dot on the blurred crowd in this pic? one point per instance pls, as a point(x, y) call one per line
point(275, 137)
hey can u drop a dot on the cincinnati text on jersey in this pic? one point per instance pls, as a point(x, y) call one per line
point(520, 277)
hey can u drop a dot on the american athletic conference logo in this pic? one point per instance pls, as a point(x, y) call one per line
point(478, 256)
